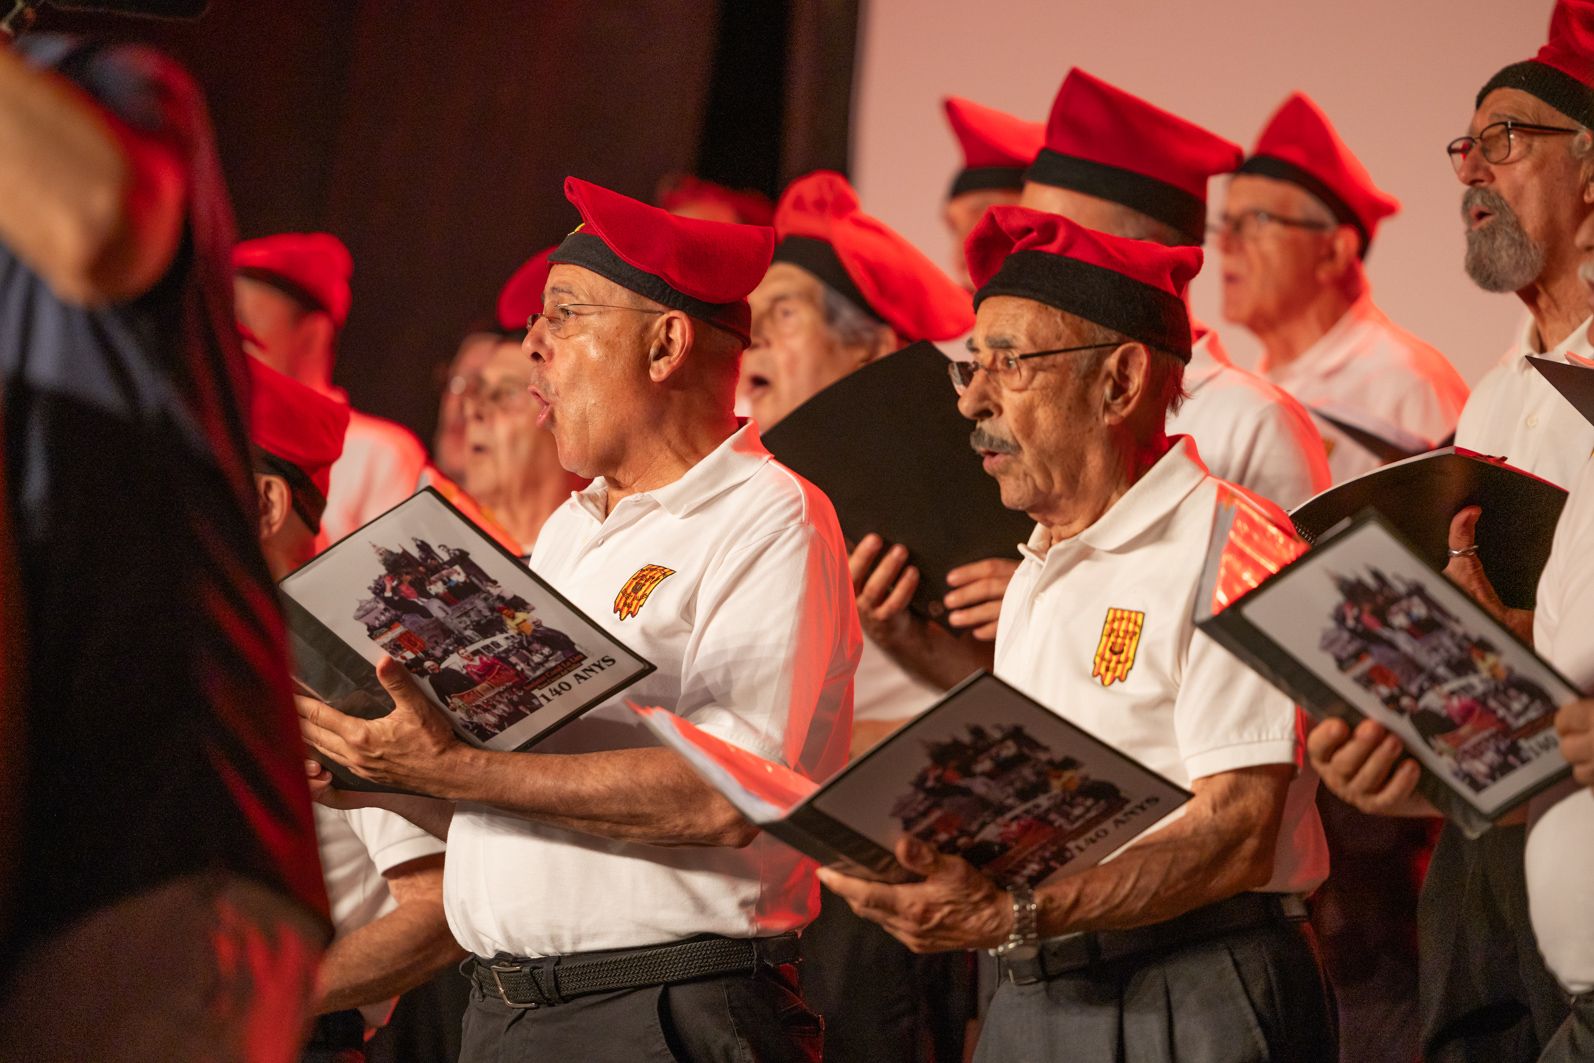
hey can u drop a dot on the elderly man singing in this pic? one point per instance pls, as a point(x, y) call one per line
point(619, 908)
point(1189, 943)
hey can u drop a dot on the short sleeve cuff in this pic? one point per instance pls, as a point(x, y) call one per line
point(727, 726)
point(404, 850)
point(1239, 755)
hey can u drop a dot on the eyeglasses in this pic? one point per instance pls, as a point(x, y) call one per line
point(561, 313)
point(1013, 371)
point(506, 396)
point(1248, 225)
point(1497, 141)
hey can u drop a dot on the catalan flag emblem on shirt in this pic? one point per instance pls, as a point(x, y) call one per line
point(1120, 638)
point(634, 594)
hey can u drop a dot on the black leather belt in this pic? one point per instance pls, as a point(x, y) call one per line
point(1079, 952)
point(541, 983)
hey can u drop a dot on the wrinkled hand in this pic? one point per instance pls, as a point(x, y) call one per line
point(975, 600)
point(1366, 768)
point(412, 746)
point(1467, 573)
point(884, 583)
point(955, 907)
point(1575, 724)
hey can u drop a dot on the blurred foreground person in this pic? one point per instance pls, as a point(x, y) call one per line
point(293, 299)
point(174, 905)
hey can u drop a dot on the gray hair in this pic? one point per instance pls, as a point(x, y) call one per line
point(852, 324)
point(1167, 369)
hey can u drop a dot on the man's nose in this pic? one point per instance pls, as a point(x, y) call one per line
point(978, 401)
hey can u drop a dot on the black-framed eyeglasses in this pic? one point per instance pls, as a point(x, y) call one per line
point(1248, 225)
point(1497, 141)
point(559, 315)
point(1014, 372)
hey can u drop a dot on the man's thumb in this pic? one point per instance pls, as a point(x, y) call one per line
point(1464, 527)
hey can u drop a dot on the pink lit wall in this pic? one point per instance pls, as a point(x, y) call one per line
point(1397, 77)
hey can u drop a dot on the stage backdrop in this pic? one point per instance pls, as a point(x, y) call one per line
point(1397, 79)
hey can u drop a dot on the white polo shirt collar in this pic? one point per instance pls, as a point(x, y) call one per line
point(1151, 498)
point(728, 465)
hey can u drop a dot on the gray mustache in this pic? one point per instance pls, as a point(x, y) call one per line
point(980, 439)
point(1489, 200)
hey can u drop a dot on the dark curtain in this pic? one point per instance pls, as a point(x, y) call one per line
point(433, 138)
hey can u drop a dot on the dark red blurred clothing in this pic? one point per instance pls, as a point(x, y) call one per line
point(161, 738)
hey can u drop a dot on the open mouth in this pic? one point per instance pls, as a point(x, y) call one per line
point(757, 383)
point(544, 407)
point(1478, 216)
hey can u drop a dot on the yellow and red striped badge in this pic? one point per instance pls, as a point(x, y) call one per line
point(1120, 638)
point(634, 595)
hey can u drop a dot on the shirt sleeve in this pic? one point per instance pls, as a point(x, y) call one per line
point(1282, 457)
point(1227, 717)
point(390, 839)
point(770, 665)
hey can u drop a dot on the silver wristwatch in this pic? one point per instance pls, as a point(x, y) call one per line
point(1024, 941)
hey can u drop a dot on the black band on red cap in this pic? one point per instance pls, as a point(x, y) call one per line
point(820, 259)
point(1108, 298)
point(298, 293)
point(1284, 170)
point(589, 252)
point(985, 178)
point(1555, 87)
point(1151, 197)
point(308, 501)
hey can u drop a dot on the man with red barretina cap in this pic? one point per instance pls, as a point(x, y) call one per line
point(384, 875)
point(1527, 162)
point(1298, 220)
point(1189, 944)
point(617, 907)
point(997, 148)
point(843, 290)
point(1119, 165)
point(292, 295)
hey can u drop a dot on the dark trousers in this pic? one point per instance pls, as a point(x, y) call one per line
point(1256, 996)
point(1365, 918)
point(880, 1002)
point(758, 1018)
point(1486, 995)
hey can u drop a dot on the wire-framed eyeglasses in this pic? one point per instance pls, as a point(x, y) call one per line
point(560, 314)
point(1014, 372)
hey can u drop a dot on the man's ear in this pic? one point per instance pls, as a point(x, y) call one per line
point(275, 502)
point(881, 344)
point(1344, 249)
point(673, 339)
point(1125, 379)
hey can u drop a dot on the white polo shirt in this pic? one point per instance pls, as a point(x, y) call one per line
point(358, 846)
point(1368, 372)
point(1185, 707)
point(1560, 848)
point(1515, 414)
point(1250, 433)
point(754, 632)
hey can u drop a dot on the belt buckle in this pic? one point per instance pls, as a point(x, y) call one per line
point(499, 969)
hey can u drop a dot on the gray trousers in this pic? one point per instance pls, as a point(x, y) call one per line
point(1256, 996)
point(759, 1018)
